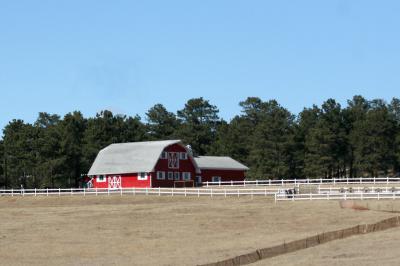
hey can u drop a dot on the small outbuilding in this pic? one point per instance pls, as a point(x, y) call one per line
point(166, 163)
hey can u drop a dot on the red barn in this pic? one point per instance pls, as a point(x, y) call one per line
point(166, 163)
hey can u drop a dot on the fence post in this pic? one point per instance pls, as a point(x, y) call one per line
point(378, 196)
point(211, 193)
point(147, 191)
point(265, 191)
point(185, 191)
point(71, 191)
point(275, 197)
point(198, 192)
point(121, 190)
point(256, 182)
point(47, 191)
point(12, 192)
point(219, 183)
point(59, 191)
point(96, 191)
point(308, 180)
point(238, 193)
point(108, 191)
point(159, 191)
point(35, 192)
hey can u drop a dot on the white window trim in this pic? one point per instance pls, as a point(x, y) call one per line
point(177, 157)
point(183, 156)
point(160, 175)
point(171, 177)
point(139, 177)
point(186, 176)
point(216, 179)
point(179, 176)
point(164, 155)
point(102, 180)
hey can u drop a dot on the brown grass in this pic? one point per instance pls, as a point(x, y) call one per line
point(380, 248)
point(144, 230)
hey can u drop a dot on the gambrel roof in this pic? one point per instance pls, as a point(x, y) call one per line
point(132, 157)
point(136, 157)
point(219, 163)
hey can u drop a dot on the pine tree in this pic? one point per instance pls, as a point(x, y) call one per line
point(161, 124)
point(198, 124)
point(72, 133)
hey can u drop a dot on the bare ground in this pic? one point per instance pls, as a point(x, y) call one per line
point(128, 230)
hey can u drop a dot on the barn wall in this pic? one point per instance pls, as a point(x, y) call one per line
point(127, 181)
point(184, 166)
point(226, 175)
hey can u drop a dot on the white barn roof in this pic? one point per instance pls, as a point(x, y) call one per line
point(133, 157)
point(136, 157)
point(219, 163)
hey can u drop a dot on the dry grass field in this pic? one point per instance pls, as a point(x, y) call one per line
point(140, 230)
point(381, 248)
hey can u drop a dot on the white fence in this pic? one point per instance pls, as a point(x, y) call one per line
point(141, 191)
point(310, 181)
point(339, 196)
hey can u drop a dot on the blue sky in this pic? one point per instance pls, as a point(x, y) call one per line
point(60, 56)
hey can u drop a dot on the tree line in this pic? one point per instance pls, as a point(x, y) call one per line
point(360, 139)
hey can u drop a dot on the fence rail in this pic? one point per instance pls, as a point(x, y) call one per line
point(141, 191)
point(279, 192)
point(308, 181)
point(339, 196)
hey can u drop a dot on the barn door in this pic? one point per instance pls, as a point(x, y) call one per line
point(114, 182)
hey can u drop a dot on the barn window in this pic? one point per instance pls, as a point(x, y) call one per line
point(164, 155)
point(101, 178)
point(160, 175)
point(176, 176)
point(170, 175)
point(173, 160)
point(216, 179)
point(183, 156)
point(142, 176)
point(186, 175)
